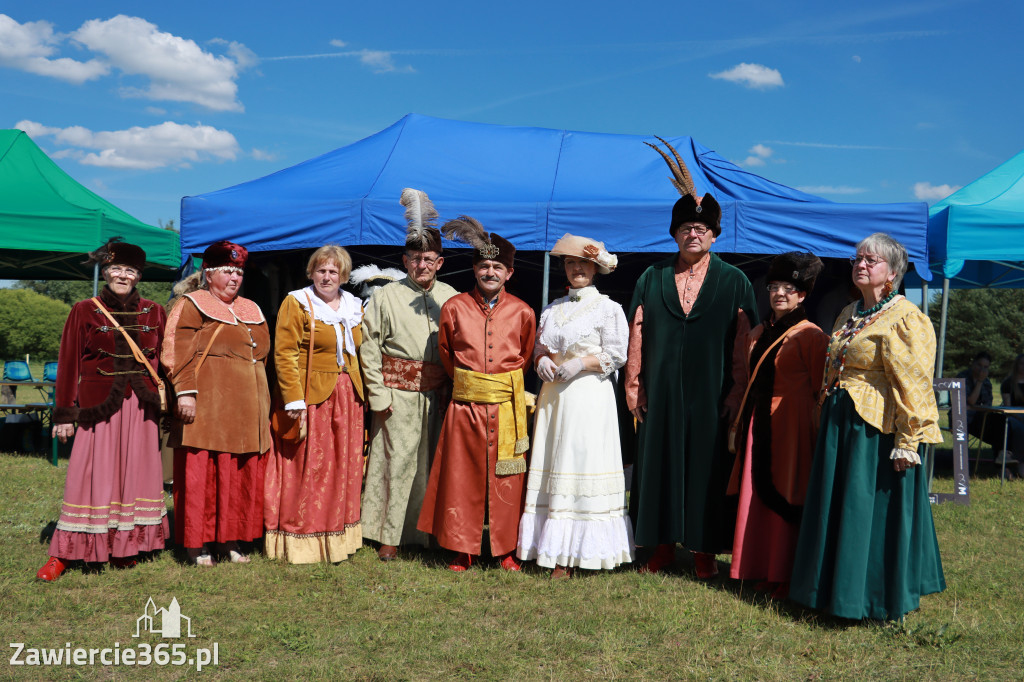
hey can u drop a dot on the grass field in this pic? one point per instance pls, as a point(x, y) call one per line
point(411, 619)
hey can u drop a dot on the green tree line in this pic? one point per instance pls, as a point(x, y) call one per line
point(981, 319)
point(32, 314)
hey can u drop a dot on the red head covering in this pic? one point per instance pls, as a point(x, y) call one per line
point(225, 254)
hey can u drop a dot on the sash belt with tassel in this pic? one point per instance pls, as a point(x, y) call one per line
point(506, 391)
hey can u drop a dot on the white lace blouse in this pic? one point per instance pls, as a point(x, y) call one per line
point(584, 323)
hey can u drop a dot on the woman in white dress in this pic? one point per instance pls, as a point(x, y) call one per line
point(575, 514)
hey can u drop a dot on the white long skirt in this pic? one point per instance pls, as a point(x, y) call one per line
point(575, 512)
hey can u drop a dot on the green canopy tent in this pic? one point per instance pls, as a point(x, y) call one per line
point(48, 222)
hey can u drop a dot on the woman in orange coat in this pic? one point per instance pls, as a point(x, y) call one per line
point(777, 427)
point(216, 354)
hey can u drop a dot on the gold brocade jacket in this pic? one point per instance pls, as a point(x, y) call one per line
point(291, 348)
point(888, 372)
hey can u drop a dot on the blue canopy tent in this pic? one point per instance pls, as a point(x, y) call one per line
point(531, 185)
point(976, 236)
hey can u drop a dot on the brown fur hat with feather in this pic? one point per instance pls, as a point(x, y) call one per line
point(486, 246)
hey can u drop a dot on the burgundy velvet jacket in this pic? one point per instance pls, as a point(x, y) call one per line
point(96, 370)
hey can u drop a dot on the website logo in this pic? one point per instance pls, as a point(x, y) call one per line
point(168, 623)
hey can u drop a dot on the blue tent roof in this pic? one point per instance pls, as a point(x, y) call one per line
point(530, 185)
point(976, 234)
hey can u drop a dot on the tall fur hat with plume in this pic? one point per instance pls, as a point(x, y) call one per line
point(690, 208)
point(485, 246)
point(422, 233)
point(118, 251)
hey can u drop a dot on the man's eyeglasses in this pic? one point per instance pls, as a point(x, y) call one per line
point(421, 260)
point(870, 261)
point(697, 230)
point(118, 271)
point(787, 289)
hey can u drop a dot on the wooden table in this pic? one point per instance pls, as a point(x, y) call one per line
point(1007, 412)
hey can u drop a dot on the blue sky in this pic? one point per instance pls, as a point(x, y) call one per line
point(872, 102)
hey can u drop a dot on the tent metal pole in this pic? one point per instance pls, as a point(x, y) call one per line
point(95, 279)
point(924, 297)
point(941, 355)
point(547, 280)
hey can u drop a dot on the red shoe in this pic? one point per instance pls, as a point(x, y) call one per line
point(122, 562)
point(705, 564)
point(51, 570)
point(509, 563)
point(461, 563)
point(781, 592)
point(663, 557)
point(387, 552)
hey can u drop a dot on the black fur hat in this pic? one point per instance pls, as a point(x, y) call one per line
point(687, 210)
point(799, 269)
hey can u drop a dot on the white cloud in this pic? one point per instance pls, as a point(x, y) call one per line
point(832, 189)
point(156, 111)
point(856, 58)
point(31, 47)
point(926, 191)
point(338, 43)
point(758, 154)
point(755, 76)
point(177, 68)
point(261, 155)
point(161, 146)
point(381, 62)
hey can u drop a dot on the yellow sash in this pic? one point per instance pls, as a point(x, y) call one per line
point(506, 391)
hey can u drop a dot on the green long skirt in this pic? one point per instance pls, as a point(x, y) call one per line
point(867, 545)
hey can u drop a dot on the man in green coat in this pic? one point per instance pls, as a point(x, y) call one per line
point(684, 319)
point(407, 387)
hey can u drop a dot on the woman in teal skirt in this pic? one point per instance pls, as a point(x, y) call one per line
point(867, 545)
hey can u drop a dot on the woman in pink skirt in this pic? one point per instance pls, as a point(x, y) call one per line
point(113, 507)
point(313, 485)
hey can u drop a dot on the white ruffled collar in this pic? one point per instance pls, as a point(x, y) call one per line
point(348, 315)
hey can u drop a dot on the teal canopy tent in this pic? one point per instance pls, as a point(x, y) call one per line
point(976, 235)
point(48, 221)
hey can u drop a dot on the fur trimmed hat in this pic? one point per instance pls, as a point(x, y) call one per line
point(687, 210)
point(486, 246)
point(225, 254)
point(118, 252)
point(799, 269)
point(421, 234)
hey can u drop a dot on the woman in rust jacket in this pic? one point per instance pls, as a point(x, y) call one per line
point(777, 427)
point(113, 505)
point(217, 354)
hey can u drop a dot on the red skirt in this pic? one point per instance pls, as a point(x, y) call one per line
point(218, 496)
point(313, 487)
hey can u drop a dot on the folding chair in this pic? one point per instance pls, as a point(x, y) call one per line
point(50, 371)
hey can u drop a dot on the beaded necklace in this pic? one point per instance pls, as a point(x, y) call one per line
point(860, 320)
